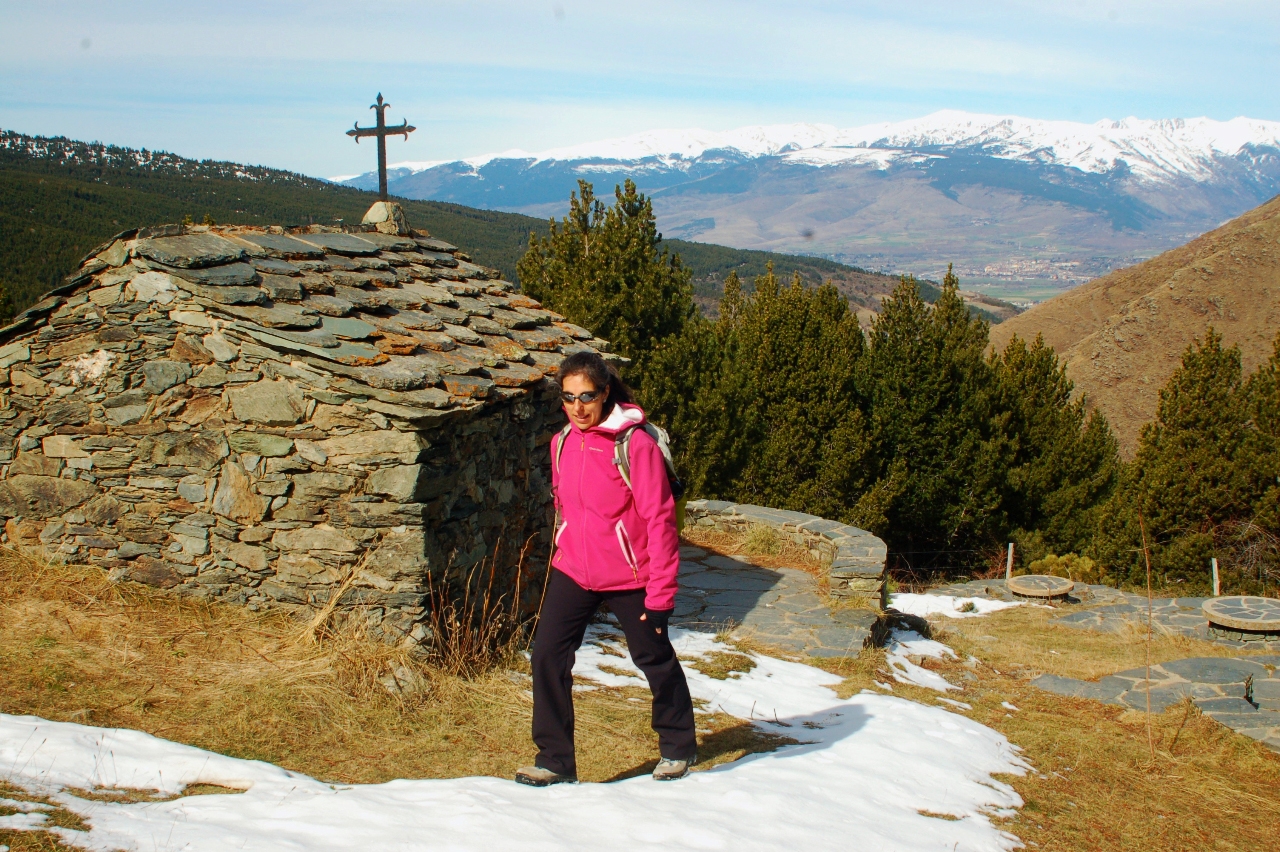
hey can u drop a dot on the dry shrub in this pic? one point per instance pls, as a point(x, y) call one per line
point(762, 540)
point(1072, 566)
point(482, 625)
point(1249, 557)
point(993, 564)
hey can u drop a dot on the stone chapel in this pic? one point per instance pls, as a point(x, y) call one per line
point(254, 414)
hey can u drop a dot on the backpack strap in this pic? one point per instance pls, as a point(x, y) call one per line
point(555, 457)
point(622, 454)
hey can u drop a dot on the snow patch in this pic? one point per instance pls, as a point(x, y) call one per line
point(953, 703)
point(771, 690)
point(925, 605)
point(867, 766)
point(906, 644)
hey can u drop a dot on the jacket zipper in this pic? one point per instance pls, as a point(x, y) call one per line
point(628, 552)
point(582, 464)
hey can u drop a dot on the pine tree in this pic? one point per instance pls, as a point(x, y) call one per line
point(1064, 459)
point(1257, 542)
point(1262, 450)
point(682, 392)
point(603, 268)
point(933, 408)
point(1188, 478)
point(797, 356)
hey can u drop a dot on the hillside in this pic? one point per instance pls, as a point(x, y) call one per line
point(80, 194)
point(1122, 335)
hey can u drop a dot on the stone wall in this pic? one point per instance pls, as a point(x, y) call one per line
point(215, 504)
point(855, 557)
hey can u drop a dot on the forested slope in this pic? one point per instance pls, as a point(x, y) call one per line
point(59, 198)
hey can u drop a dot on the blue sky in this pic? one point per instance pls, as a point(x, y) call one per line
point(277, 83)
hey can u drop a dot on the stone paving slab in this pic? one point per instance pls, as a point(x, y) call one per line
point(779, 607)
point(1108, 610)
point(1243, 613)
point(1213, 670)
point(1215, 684)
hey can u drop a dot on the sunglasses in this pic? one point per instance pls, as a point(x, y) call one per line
point(586, 397)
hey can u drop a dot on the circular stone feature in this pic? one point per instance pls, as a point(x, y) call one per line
point(1260, 615)
point(1040, 586)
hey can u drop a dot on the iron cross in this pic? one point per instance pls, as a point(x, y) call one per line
point(382, 132)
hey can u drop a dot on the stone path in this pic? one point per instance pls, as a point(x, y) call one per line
point(1109, 610)
point(1217, 685)
point(780, 607)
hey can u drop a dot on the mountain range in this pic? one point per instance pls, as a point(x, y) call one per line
point(1016, 203)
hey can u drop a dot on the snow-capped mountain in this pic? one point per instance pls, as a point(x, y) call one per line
point(979, 189)
point(1161, 149)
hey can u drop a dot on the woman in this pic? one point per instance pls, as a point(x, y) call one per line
point(616, 545)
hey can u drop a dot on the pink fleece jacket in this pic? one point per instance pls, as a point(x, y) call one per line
point(612, 537)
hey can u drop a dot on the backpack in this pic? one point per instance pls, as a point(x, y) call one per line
point(622, 453)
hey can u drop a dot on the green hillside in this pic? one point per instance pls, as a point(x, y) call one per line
point(60, 198)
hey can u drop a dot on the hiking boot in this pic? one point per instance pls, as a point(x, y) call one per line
point(670, 770)
point(536, 776)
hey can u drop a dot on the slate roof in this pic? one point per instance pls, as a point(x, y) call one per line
point(408, 321)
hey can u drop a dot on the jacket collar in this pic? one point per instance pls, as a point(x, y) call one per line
point(623, 417)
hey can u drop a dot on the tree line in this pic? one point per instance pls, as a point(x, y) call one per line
point(913, 429)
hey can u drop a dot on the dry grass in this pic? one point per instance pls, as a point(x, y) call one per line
point(1024, 642)
point(33, 841)
point(75, 647)
point(762, 540)
point(766, 547)
point(721, 664)
point(1094, 785)
point(37, 841)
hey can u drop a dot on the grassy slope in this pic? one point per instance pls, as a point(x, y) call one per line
point(75, 647)
point(1123, 335)
point(52, 212)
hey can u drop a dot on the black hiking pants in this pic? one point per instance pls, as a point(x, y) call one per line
point(566, 612)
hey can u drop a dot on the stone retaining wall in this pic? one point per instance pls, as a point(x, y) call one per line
point(855, 556)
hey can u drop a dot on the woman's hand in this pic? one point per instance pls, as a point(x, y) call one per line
point(658, 618)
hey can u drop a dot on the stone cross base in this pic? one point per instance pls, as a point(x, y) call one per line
point(388, 218)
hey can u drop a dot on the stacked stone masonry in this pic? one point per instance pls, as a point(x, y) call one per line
point(856, 557)
point(255, 415)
